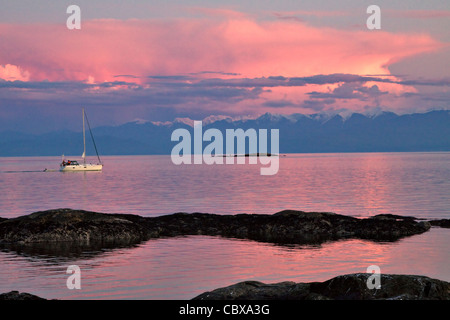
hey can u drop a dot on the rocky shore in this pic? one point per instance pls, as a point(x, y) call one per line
point(69, 225)
point(344, 287)
point(57, 230)
point(16, 295)
point(285, 227)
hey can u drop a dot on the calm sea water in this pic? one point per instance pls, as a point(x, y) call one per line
point(360, 185)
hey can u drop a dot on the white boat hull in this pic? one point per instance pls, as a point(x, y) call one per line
point(81, 167)
point(75, 166)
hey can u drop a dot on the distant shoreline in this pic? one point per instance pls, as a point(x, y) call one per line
point(281, 154)
point(384, 132)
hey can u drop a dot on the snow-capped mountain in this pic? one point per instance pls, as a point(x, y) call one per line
point(321, 132)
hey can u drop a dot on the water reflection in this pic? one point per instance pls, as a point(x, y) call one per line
point(409, 184)
point(65, 251)
point(183, 267)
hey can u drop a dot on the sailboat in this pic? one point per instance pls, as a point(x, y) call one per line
point(73, 165)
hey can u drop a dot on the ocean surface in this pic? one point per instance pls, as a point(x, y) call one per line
point(356, 184)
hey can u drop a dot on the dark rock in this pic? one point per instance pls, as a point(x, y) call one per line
point(409, 287)
point(285, 227)
point(387, 216)
point(443, 223)
point(15, 295)
point(345, 287)
point(254, 290)
point(71, 225)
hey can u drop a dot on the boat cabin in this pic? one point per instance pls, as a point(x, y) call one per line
point(70, 163)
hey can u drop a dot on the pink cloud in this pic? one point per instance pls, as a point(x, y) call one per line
point(105, 48)
point(231, 46)
point(11, 72)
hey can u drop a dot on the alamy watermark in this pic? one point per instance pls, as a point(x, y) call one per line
point(374, 281)
point(373, 22)
point(213, 153)
point(74, 20)
point(73, 281)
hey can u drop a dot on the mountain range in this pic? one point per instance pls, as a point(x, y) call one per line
point(299, 133)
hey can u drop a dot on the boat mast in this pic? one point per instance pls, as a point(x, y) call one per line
point(84, 141)
point(92, 136)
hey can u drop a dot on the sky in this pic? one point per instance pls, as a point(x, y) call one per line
point(165, 59)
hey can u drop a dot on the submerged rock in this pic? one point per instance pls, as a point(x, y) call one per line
point(345, 287)
point(285, 227)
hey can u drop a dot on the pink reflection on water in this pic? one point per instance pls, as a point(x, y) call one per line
point(358, 184)
point(181, 268)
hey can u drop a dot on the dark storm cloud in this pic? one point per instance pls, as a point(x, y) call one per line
point(349, 91)
point(199, 94)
